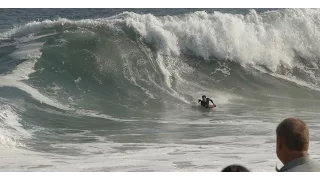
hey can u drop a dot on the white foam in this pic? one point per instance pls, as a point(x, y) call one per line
point(150, 156)
point(8, 142)
point(11, 118)
point(224, 70)
point(266, 39)
point(191, 154)
point(77, 80)
point(11, 129)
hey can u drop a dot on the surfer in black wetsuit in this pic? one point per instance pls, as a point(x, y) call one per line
point(205, 102)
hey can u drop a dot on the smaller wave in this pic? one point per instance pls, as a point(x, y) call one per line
point(22, 72)
point(30, 53)
point(290, 78)
point(5, 81)
point(94, 114)
point(37, 26)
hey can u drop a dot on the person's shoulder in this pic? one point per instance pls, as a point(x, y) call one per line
point(314, 165)
point(310, 166)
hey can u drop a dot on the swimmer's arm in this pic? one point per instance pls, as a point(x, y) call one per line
point(213, 103)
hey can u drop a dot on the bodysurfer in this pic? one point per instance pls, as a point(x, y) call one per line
point(205, 102)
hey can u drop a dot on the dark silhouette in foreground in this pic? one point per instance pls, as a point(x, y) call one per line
point(235, 168)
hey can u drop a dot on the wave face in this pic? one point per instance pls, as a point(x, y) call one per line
point(59, 74)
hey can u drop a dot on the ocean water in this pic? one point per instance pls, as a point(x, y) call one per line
point(117, 89)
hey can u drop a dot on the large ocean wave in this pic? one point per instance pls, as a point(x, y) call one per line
point(140, 65)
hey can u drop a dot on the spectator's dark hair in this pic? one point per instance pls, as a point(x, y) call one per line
point(235, 168)
point(204, 96)
point(294, 133)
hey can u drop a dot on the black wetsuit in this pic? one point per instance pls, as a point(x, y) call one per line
point(206, 103)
